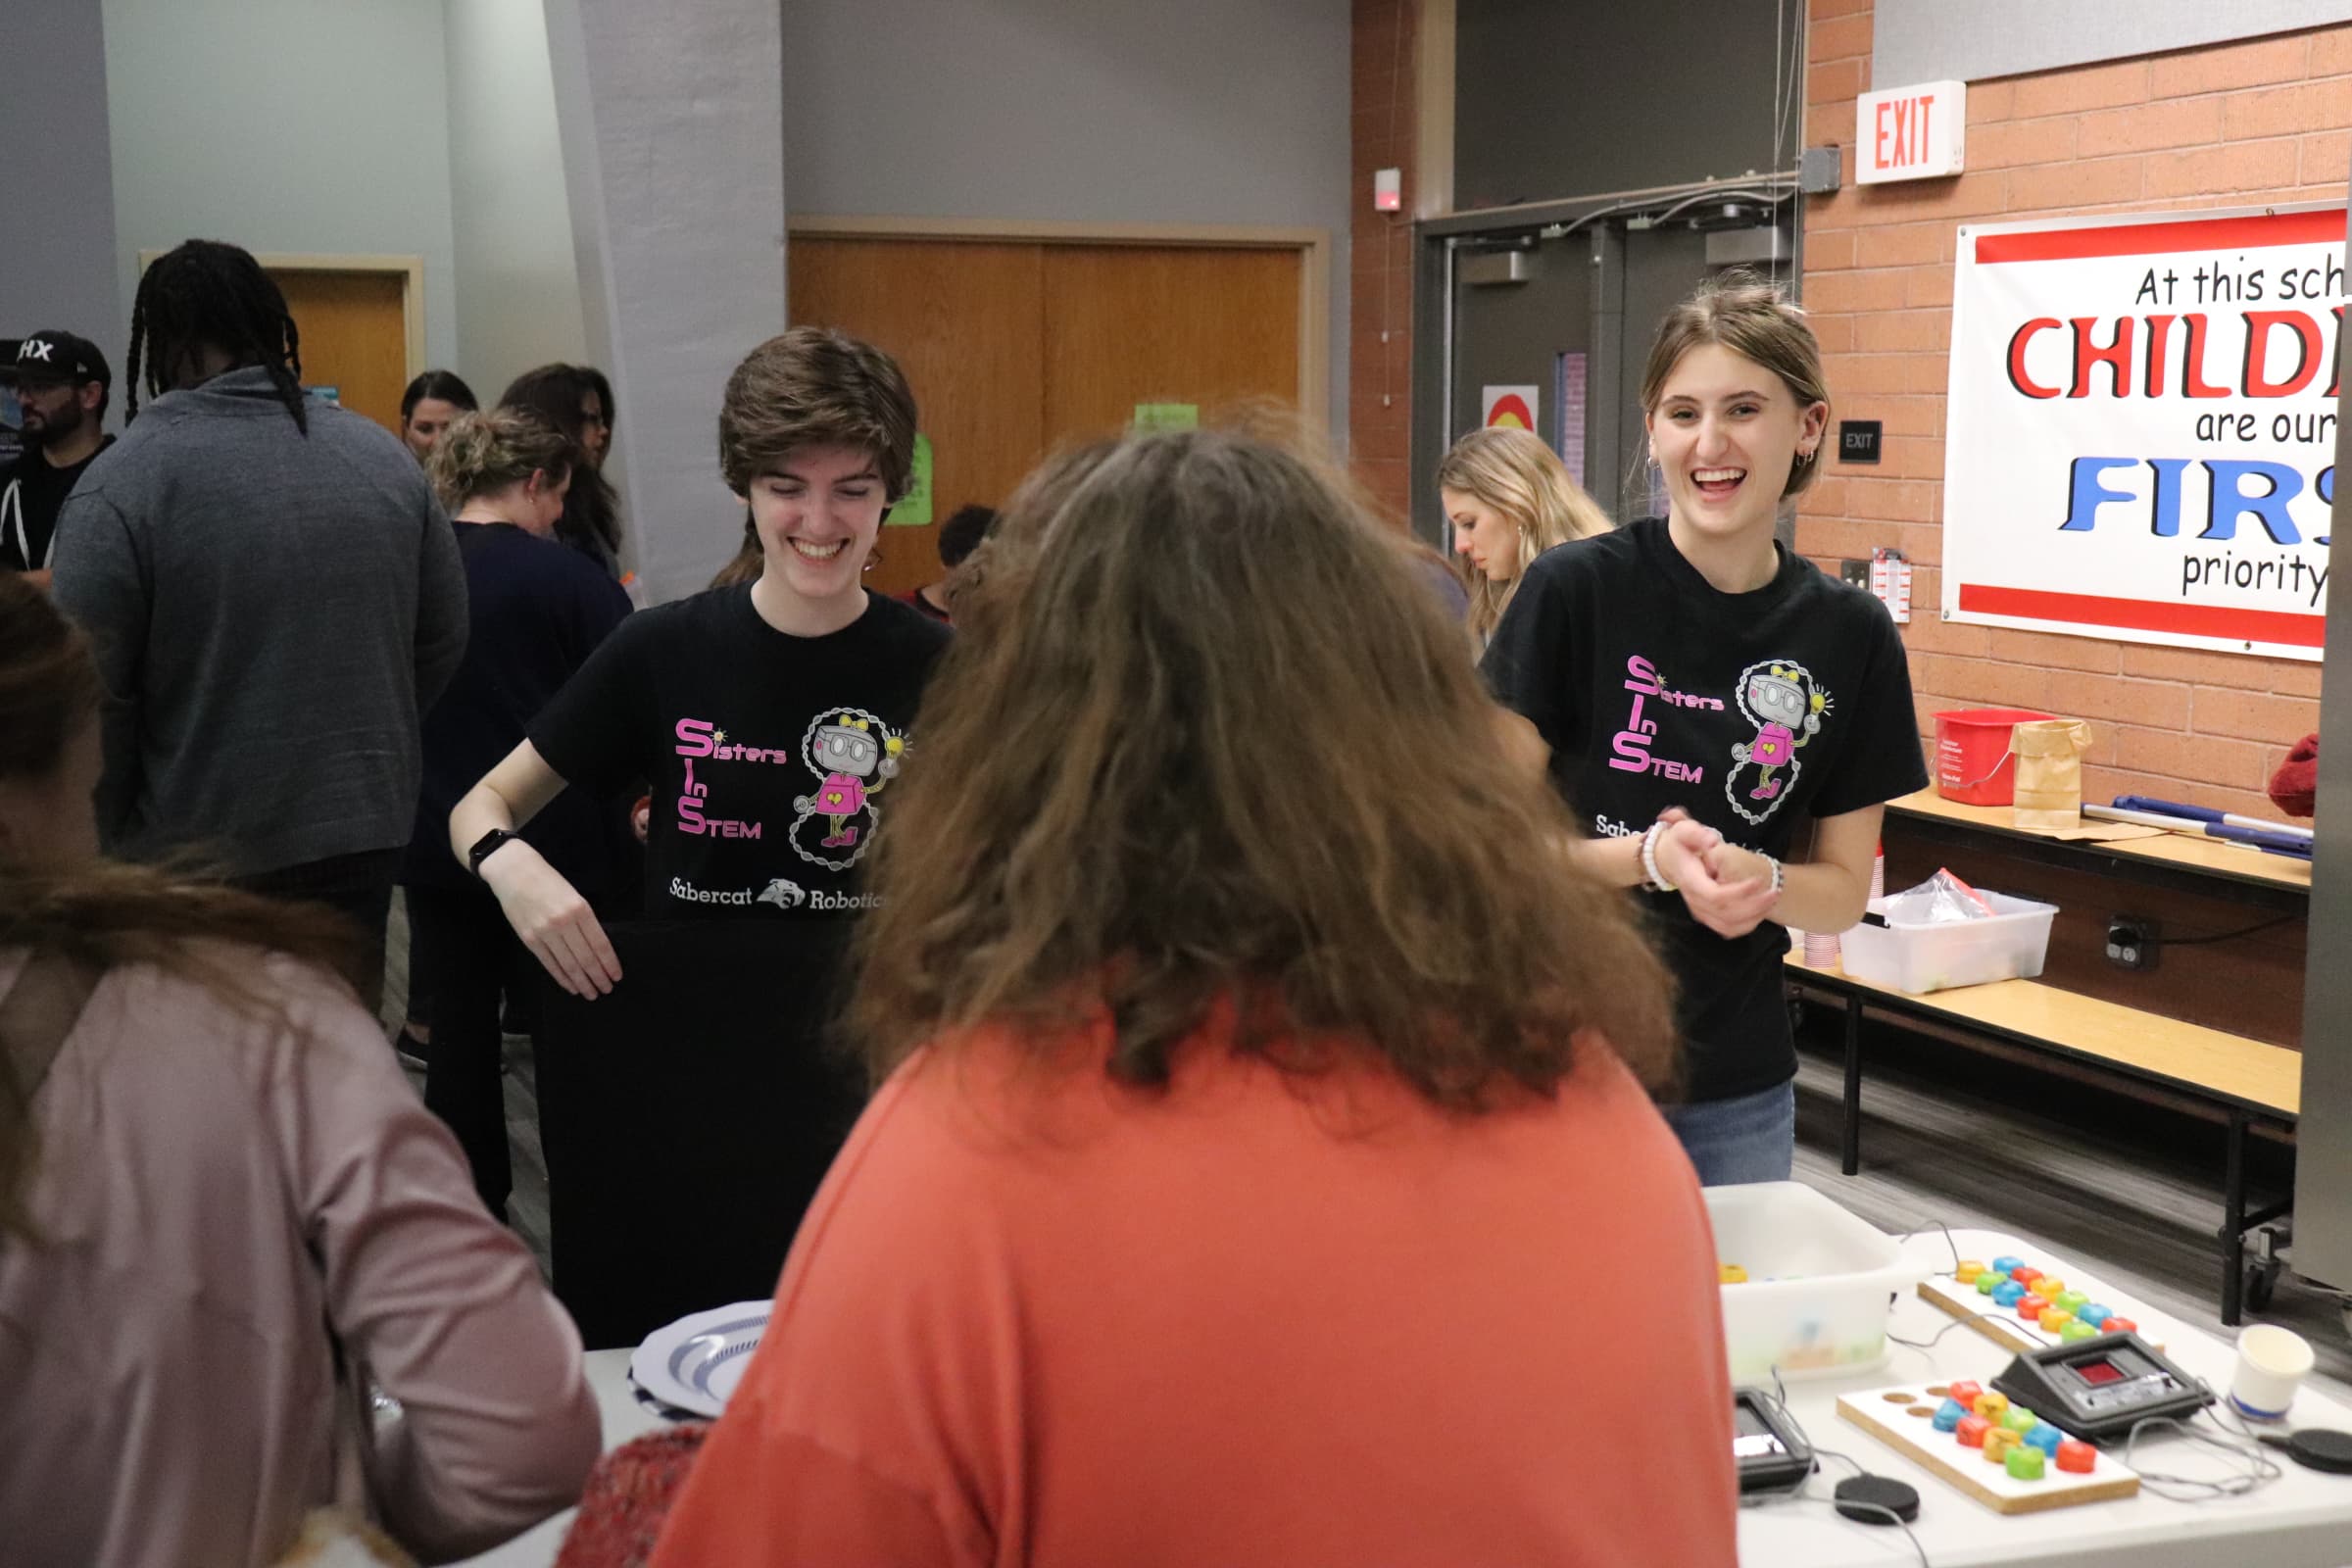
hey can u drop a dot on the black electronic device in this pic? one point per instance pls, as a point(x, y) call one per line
point(1876, 1500)
point(2102, 1386)
point(1772, 1454)
point(2316, 1449)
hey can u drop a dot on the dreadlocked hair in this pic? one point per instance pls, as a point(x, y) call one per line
point(207, 292)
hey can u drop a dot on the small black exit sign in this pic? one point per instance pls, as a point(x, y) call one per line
point(1858, 440)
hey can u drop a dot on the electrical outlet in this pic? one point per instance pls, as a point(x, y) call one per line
point(2133, 942)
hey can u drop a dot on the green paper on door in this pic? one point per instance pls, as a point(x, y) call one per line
point(914, 509)
point(1167, 415)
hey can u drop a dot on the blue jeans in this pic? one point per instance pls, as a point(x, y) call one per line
point(1750, 1139)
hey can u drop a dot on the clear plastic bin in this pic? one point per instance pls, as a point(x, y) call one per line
point(1923, 957)
point(1821, 1283)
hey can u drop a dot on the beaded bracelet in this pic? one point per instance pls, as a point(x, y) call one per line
point(1656, 880)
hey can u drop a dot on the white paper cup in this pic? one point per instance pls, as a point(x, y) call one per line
point(2272, 1362)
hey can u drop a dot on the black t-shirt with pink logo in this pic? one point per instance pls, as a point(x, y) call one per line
point(1752, 711)
point(770, 758)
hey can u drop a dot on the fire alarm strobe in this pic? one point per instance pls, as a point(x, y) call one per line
point(2102, 1386)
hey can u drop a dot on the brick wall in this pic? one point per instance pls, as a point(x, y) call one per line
point(2266, 119)
point(1380, 280)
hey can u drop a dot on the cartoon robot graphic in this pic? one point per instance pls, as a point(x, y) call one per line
point(857, 754)
point(1780, 697)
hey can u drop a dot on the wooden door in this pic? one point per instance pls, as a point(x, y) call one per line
point(1017, 347)
point(962, 320)
point(354, 327)
point(1129, 325)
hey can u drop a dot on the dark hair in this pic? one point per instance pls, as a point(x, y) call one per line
point(483, 453)
point(1146, 784)
point(814, 386)
point(444, 385)
point(591, 519)
point(207, 292)
point(747, 562)
point(962, 532)
point(101, 917)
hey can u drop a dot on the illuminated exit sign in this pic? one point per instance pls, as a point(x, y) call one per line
point(1910, 132)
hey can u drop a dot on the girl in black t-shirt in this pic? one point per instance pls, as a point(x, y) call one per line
point(745, 708)
point(690, 1114)
point(1704, 691)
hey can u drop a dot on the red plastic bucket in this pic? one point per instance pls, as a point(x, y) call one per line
point(1973, 762)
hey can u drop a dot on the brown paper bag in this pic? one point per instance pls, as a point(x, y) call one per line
point(2049, 772)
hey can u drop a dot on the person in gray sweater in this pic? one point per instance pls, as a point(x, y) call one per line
point(274, 596)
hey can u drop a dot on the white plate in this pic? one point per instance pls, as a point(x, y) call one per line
point(695, 1364)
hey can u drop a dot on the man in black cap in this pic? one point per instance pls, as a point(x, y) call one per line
point(62, 386)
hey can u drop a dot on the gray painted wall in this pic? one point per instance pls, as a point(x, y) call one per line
point(1117, 111)
point(517, 284)
point(1933, 40)
point(1554, 101)
point(671, 127)
point(57, 258)
point(283, 125)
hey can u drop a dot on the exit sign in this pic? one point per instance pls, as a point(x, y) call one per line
point(1910, 132)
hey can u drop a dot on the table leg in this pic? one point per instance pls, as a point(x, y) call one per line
point(1851, 1144)
point(2234, 1220)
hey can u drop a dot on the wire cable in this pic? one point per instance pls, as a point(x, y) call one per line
point(1935, 1339)
point(1799, 1490)
point(2255, 929)
point(2260, 1468)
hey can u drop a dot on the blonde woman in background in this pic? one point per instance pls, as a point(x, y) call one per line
point(1508, 499)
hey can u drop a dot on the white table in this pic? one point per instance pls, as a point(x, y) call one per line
point(2302, 1520)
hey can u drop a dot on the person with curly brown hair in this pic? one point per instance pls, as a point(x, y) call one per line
point(1257, 1106)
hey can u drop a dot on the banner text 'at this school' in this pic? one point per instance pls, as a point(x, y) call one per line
point(2140, 439)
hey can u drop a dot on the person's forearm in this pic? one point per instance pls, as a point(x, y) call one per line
point(1614, 861)
point(1813, 897)
point(482, 809)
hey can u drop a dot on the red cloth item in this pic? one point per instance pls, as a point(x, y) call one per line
point(628, 1495)
point(1259, 1317)
point(2295, 786)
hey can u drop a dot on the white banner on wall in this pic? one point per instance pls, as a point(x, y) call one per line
point(2140, 436)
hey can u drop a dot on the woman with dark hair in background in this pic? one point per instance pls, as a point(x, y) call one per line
point(1256, 1112)
point(577, 399)
point(537, 611)
point(216, 1190)
point(958, 537)
point(432, 400)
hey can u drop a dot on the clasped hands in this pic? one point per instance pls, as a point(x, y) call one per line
point(1728, 888)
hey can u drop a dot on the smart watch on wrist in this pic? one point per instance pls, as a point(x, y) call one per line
point(484, 846)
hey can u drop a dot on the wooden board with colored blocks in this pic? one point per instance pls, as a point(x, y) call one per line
point(2004, 1456)
point(2020, 1307)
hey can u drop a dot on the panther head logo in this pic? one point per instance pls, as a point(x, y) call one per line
point(783, 895)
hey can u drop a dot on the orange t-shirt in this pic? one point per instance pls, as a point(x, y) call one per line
point(1037, 1317)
